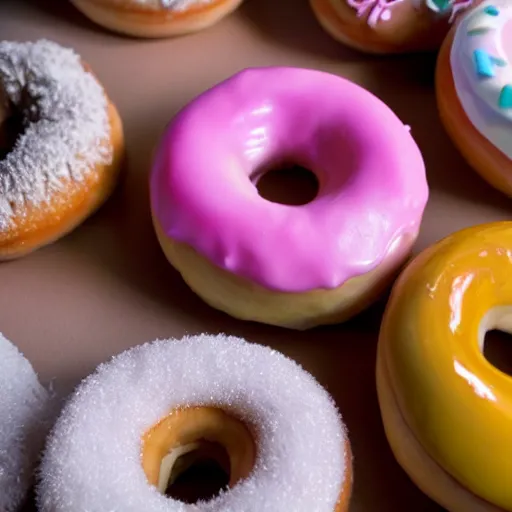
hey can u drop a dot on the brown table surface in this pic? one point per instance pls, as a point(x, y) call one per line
point(107, 287)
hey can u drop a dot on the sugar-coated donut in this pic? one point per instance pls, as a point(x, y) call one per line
point(156, 18)
point(446, 410)
point(293, 266)
point(118, 437)
point(389, 26)
point(474, 90)
point(24, 422)
point(65, 162)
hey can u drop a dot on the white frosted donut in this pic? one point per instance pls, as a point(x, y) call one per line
point(23, 424)
point(93, 460)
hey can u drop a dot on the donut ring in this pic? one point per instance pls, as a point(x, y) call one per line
point(156, 18)
point(292, 266)
point(66, 161)
point(389, 26)
point(24, 417)
point(474, 91)
point(446, 410)
point(172, 394)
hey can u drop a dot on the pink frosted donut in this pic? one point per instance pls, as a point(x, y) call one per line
point(294, 266)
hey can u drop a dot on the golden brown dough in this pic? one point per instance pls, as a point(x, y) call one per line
point(156, 18)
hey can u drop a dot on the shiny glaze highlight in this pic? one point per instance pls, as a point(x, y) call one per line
point(456, 403)
point(373, 188)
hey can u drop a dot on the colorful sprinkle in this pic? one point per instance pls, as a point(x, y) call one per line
point(484, 64)
point(499, 62)
point(440, 5)
point(492, 10)
point(478, 31)
point(505, 101)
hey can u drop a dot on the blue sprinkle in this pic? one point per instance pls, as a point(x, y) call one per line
point(484, 64)
point(478, 31)
point(505, 101)
point(499, 62)
point(492, 10)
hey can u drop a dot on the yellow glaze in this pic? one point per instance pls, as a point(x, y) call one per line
point(456, 403)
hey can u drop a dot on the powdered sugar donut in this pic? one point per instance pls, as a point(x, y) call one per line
point(156, 18)
point(389, 26)
point(64, 145)
point(117, 439)
point(24, 419)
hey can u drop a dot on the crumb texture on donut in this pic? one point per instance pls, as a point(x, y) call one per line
point(93, 457)
point(66, 127)
point(23, 424)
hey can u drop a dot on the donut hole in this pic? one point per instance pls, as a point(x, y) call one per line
point(496, 339)
point(11, 126)
point(286, 183)
point(194, 454)
point(200, 474)
point(498, 350)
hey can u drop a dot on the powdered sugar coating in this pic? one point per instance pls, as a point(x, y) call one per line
point(23, 424)
point(93, 457)
point(67, 129)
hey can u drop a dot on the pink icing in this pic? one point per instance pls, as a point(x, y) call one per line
point(373, 187)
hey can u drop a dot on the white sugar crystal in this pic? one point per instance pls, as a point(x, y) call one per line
point(93, 458)
point(66, 124)
point(24, 419)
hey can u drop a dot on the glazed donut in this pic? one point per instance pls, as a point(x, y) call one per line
point(120, 435)
point(389, 26)
point(156, 18)
point(447, 411)
point(24, 422)
point(474, 90)
point(293, 266)
point(65, 161)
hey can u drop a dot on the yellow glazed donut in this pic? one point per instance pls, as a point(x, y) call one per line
point(156, 18)
point(447, 411)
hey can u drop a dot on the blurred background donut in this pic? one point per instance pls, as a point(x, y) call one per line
point(156, 18)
